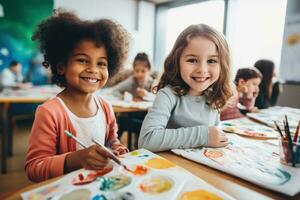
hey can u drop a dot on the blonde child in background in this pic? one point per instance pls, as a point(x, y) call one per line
point(81, 57)
point(247, 82)
point(194, 86)
point(140, 84)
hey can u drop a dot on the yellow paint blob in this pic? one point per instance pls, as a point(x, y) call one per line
point(159, 163)
point(156, 185)
point(199, 195)
point(134, 153)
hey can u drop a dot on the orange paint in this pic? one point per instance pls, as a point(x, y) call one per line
point(199, 195)
point(159, 163)
point(140, 170)
point(103, 171)
point(213, 153)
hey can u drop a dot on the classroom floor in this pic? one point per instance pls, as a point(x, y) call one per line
point(16, 178)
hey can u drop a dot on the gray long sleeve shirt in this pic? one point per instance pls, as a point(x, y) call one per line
point(177, 122)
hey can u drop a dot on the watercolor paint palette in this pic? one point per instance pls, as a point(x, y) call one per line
point(252, 160)
point(277, 113)
point(246, 127)
point(154, 178)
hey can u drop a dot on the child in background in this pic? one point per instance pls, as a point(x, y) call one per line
point(269, 90)
point(81, 57)
point(139, 85)
point(194, 86)
point(247, 82)
point(12, 77)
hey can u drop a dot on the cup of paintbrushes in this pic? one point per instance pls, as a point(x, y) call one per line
point(289, 156)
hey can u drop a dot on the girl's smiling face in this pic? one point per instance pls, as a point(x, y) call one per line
point(199, 65)
point(87, 68)
point(141, 72)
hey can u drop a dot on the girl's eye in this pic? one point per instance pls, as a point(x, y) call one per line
point(192, 60)
point(212, 61)
point(102, 64)
point(82, 61)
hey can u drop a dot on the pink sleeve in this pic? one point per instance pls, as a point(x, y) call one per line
point(42, 160)
point(248, 102)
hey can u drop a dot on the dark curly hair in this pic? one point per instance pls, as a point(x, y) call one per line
point(60, 33)
point(142, 57)
point(221, 90)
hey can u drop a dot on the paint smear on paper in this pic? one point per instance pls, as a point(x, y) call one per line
point(80, 194)
point(213, 153)
point(140, 170)
point(199, 195)
point(159, 163)
point(81, 179)
point(156, 185)
point(114, 183)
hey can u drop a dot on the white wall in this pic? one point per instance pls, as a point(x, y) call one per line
point(291, 92)
point(136, 16)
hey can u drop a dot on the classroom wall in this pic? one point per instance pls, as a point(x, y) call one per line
point(291, 92)
point(135, 15)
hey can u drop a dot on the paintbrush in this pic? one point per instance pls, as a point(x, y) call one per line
point(111, 155)
point(75, 138)
point(108, 153)
point(278, 128)
point(296, 133)
point(289, 137)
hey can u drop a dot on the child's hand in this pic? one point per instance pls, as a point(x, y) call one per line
point(141, 92)
point(119, 149)
point(92, 158)
point(217, 138)
point(254, 109)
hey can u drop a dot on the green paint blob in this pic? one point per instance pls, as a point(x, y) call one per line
point(114, 183)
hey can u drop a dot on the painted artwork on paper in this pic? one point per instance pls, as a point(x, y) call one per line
point(246, 127)
point(252, 160)
point(152, 177)
point(277, 113)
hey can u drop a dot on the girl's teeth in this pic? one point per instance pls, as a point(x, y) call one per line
point(91, 80)
point(200, 79)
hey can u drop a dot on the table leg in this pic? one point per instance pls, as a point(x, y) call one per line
point(4, 108)
point(129, 142)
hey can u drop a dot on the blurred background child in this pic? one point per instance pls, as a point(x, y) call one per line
point(270, 87)
point(137, 88)
point(247, 82)
point(139, 85)
point(11, 77)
